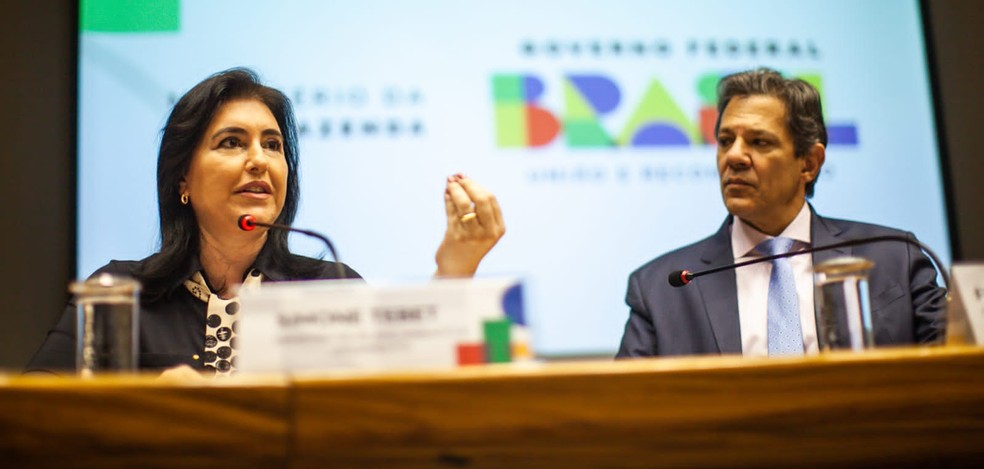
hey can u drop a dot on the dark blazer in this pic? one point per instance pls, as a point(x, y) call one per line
point(702, 318)
point(172, 328)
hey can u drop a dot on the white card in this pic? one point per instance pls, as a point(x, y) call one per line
point(330, 325)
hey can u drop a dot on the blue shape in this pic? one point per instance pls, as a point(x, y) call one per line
point(512, 304)
point(532, 88)
point(659, 134)
point(842, 134)
point(601, 93)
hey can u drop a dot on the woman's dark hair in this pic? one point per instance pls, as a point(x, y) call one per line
point(180, 137)
point(804, 115)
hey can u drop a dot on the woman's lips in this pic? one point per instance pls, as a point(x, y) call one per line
point(255, 195)
point(255, 190)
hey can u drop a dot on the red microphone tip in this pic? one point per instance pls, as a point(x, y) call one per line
point(247, 223)
point(685, 277)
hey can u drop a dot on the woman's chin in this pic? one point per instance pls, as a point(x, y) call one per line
point(261, 213)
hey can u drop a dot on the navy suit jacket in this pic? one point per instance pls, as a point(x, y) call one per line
point(702, 318)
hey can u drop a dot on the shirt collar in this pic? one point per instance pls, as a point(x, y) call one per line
point(264, 264)
point(744, 238)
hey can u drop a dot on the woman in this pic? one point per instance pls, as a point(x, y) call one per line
point(229, 148)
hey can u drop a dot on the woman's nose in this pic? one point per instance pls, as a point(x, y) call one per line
point(255, 158)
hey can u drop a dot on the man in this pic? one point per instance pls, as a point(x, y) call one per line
point(771, 147)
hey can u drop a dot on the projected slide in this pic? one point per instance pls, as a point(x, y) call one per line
point(591, 121)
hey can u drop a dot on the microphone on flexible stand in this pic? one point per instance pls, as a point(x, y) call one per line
point(679, 278)
point(249, 223)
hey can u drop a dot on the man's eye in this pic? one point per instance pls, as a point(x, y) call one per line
point(761, 142)
point(725, 141)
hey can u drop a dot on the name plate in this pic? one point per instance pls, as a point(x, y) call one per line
point(965, 313)
point(329, 325)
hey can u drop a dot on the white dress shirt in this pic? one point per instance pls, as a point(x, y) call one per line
point(753, 284)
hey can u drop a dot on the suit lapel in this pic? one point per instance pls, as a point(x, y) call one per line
point(719, 292)
point(822, 234)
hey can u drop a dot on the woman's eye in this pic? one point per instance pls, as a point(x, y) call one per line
point(230, 142)
point(274, 145)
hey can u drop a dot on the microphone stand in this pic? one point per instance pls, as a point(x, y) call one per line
point(249, 223)
point(679, 278)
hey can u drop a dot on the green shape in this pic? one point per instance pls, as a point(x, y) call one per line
point(658, 106)
point(507, 88)
point(129, 16)
point(707, 89)
point(510, 125)
point(497, 346)
point(585, 134)
point(814, 79)
point(575, 106)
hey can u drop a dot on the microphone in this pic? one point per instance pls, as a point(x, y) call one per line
point(248, 223)
point(679, 278)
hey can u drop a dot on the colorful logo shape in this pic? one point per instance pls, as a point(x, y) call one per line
point(504, 339)
point(129, 16)
point(522, 121)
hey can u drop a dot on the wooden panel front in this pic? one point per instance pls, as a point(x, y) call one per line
point(139, 422)
point(906, 407)
point(887, 407)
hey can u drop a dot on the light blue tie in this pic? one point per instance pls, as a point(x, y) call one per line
point(785, 332)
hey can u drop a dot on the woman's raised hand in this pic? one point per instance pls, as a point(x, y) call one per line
point(474, 226)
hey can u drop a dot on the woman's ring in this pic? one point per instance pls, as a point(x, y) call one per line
point(467, 217)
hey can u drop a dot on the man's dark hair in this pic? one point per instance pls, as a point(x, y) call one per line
point(180, 136)
point(804, 115)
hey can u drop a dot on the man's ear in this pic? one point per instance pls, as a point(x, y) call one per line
point(812, 162)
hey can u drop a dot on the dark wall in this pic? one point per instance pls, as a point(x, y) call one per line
point(957, 39)
point(37, 124)
point(38, 128)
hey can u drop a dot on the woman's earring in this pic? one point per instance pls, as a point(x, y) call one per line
point(184, 199)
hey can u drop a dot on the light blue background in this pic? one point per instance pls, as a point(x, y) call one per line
point(575, 242)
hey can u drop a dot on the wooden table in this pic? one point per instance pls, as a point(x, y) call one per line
point(907, 407)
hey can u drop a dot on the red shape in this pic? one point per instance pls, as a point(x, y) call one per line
point(471, 354)
point(247, 223)
point(541, 126)
point(708, 118)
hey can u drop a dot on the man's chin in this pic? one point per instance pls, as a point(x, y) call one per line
point(739, 207)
